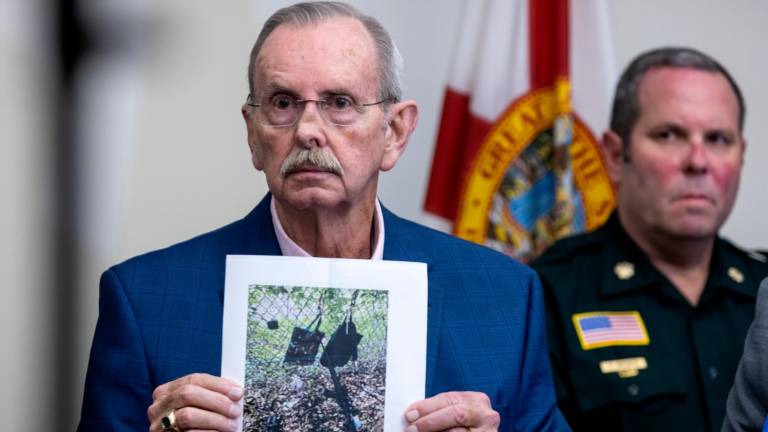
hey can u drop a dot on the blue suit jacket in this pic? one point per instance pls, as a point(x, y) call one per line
point(160, 318)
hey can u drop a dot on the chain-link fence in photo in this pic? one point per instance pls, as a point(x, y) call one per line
point(315, 359)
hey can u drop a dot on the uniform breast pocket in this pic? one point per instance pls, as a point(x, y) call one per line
point(611, 391)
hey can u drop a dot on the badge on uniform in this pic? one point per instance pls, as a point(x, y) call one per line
point(735, 274)
point(625, 368)
point(603, 329)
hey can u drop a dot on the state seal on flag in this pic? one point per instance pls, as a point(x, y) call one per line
point(538, 176)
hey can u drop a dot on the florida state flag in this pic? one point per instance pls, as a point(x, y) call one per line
point(517, 165)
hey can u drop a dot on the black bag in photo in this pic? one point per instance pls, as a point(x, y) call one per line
point(342, 346)
point(302, 349)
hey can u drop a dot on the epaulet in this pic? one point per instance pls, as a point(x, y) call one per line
point(566, 247)
point(760, 256)
point(757, 255)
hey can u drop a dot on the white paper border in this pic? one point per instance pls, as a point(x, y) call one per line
point(406, 323)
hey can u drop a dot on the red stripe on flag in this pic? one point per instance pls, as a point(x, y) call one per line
point(548, 41)
point(563, 46)
point(458, 140)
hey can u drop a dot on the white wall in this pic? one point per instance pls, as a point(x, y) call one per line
point(187, 167)
point(25, 309)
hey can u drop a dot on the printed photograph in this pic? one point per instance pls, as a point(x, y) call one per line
point(315, 359)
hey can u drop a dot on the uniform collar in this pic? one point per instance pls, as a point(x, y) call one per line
point(730, 270)
point(627, 268)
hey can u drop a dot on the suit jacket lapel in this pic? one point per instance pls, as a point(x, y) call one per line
point(402, 243)
point(260, 232)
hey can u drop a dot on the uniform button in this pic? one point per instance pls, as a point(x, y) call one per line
point(633, 389)
point(712, 371)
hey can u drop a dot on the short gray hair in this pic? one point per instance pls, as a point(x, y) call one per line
point(305, 14)
point(626, 104)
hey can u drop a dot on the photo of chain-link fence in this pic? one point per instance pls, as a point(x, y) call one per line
point(315, 359)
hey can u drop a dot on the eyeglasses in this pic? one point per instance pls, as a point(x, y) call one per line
point(282, 110)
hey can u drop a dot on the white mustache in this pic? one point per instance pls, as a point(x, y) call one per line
point(315, 157)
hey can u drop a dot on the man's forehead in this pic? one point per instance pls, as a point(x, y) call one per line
point(337, 50)
point(687, 84)
point(685, 79)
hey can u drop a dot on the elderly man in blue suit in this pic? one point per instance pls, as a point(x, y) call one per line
point(324, 117)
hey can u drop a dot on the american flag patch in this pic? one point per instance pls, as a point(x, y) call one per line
point(602, 329)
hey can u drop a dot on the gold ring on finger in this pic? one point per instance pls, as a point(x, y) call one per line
point(168, 422)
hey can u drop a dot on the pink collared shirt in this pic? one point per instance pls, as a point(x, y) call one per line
point(289, 247)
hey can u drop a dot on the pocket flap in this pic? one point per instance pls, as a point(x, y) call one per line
point(620, 384)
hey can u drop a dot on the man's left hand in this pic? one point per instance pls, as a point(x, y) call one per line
point(452, 411)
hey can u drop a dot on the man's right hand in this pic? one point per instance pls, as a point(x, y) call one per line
point(199, 401)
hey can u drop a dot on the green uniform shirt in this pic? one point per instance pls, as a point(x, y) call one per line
point(628, 352)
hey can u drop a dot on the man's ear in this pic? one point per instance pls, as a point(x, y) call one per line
point(403, 117)
point(613, 154)
point(247, 113)
point(743, 149)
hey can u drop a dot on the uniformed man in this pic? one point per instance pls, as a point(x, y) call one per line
point(647, 315)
